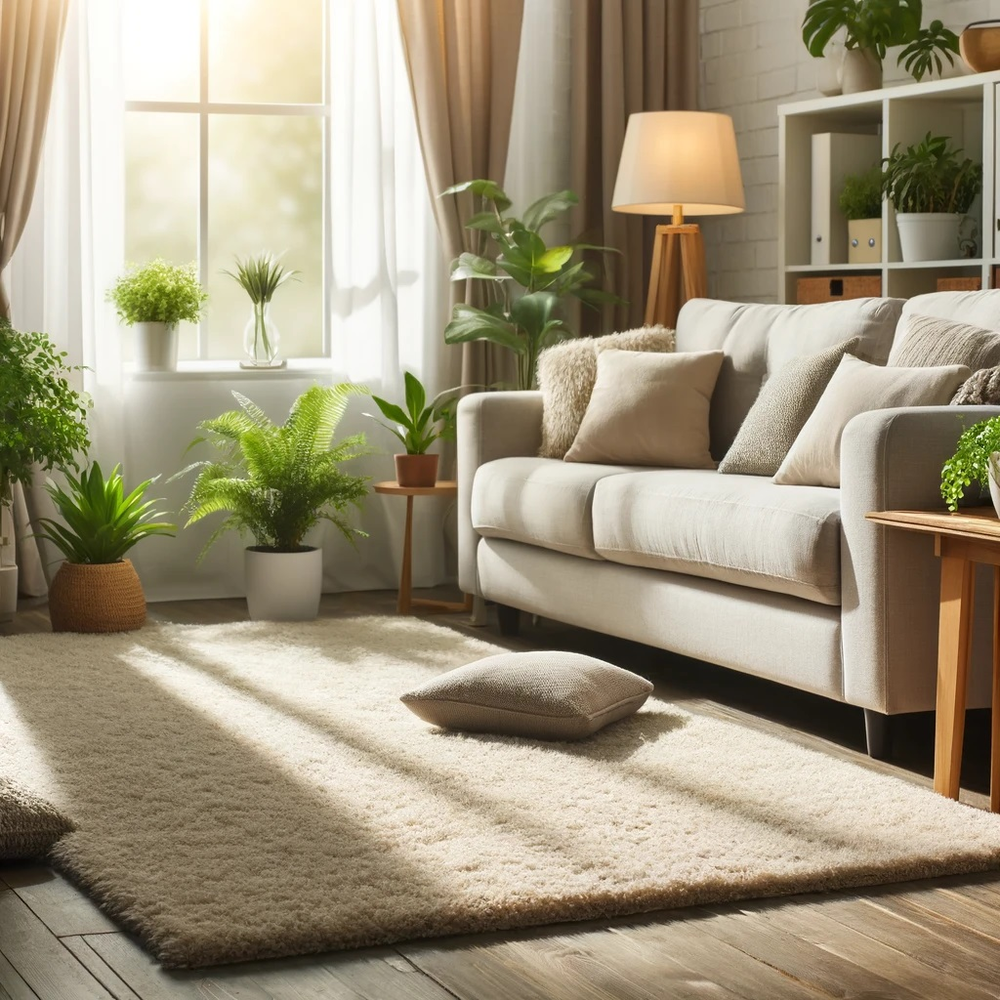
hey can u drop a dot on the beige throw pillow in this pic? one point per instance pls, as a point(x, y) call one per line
point(566, 376)
point(857, 387)
point(928, 341)
point(649, 409)
point(545, 695)
point(780, 411)
point(981, 388)
point(29, 825)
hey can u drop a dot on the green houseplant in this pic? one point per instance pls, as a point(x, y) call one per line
point(42, 424)
point(260, 277)
point(153, 298)
point(276, 481)
point(97, 589)
point(971, 462)
point(418, 427)
point(871, 27)
point(860, 203)
point(931, 185)
point(512, 253)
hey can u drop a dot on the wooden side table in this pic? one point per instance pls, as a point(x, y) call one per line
point(961, 540)
point(406, 602)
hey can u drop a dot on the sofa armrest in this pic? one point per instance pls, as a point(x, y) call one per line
point(891, 460)
point(491, 425)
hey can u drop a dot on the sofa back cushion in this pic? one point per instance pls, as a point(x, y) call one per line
point(976, 308)
point(759, 339)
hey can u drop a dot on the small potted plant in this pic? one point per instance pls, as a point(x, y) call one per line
point(43, 426)
point(276, 482)
point(861, 203)
point(418, 427)
point(973, 462)
point(155, 297)
point(932, 186)
point(260, 277)
point(97, 589)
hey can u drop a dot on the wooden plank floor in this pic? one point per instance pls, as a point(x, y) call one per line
point(936, 939)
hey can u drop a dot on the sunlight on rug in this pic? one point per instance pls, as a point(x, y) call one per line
point(253, 790)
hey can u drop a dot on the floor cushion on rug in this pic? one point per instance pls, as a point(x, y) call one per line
point(547, 695)
point(29, 825)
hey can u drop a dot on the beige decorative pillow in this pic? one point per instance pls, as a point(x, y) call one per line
point(649, 409)
point(566, 376)
point(546, 695)
point(29, 825)
point(857, 387)
point(780, 411)
point(981, 388)
point(927, 341)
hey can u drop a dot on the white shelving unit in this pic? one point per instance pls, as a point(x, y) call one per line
point(964, 108)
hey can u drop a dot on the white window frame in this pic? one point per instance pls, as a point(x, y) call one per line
point(204, 108)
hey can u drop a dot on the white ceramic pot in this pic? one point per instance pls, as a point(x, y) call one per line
point(830, 69)
point(862, 70)
point(928, 235)
point(8, 593)
point(994, 487)
point(155, 347)
point(283, 586)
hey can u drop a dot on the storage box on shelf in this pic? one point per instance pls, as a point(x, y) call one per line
point(963, 108)
point(830, 288)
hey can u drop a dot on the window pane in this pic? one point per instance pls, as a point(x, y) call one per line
point(266, 194)
point(265, 52)
point(160, 49)
point(161, 194)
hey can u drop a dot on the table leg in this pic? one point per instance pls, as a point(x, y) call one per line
point(995, 705)
point(405, 576)
point(953, 671)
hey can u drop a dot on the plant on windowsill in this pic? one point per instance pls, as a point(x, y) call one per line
point(513, 253)
point(154, 297)
point(97, 589)
point(973, 462)
point(260, 277)
point(861, 204)
point(276, 482)
point(43, 426)
point(932, 186)
point(418, 427)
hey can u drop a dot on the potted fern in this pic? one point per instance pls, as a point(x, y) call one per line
point(276, 482)
point(153, 298)
point(260, 277)
point(861, 204)
point(97, 589)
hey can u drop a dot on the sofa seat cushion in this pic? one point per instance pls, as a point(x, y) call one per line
point(736, 529)
point(540, 501)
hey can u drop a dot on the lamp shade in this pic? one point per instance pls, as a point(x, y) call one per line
point(679, 158)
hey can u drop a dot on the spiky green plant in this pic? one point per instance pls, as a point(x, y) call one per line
point(261, 276)
point(278, 481)
point(102, 521)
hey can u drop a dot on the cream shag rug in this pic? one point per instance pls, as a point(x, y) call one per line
point(254, 790)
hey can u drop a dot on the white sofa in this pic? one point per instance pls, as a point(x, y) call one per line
point(790, 583)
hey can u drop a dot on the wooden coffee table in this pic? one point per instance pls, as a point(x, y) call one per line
point(406, 602)
point(961, 540)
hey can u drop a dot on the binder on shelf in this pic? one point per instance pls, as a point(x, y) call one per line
point(834, 156)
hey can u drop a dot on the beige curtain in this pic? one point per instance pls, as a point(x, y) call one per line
point(30, 36)
point(626, 56)
point(462, 61)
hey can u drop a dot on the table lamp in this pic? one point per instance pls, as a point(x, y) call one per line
point(678, 163)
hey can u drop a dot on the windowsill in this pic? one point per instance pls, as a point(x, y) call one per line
point(229, 370)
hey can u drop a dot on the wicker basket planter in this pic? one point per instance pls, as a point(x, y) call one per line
point(103, 597)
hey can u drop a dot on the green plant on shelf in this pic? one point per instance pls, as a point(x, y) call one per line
point(861, 196)
point(931, 176)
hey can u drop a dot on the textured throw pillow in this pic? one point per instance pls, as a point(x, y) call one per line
point(857, 387)
point(546, 695)
point(649, 409)
point(780, 411)
point(29, 826)
point(981, 388)
point(566, 376)
point(928, 341)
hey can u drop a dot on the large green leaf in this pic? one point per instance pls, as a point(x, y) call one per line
point(416, 398)
point(534, 311)
point(486, 189)
point(469, 323)
point(470, 265)
point(548, 207)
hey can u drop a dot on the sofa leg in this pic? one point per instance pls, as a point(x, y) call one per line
point(878, 734)
point(509, 620)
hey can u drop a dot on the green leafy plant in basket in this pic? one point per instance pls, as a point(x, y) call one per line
point(971, 461)
point(526, 280)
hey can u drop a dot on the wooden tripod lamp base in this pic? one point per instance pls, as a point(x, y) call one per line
point(678, 272)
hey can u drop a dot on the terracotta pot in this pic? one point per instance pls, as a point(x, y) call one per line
point(980, 46)
point(104, 597)
point(416, 470)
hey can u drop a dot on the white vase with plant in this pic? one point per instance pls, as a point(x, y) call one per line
point(153, 298)
point(260, 277)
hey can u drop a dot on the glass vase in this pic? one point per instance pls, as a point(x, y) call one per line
point(260, 336)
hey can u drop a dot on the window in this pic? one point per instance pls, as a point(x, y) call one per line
point(226, 139)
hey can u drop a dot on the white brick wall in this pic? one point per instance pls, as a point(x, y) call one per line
point(752, 60)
